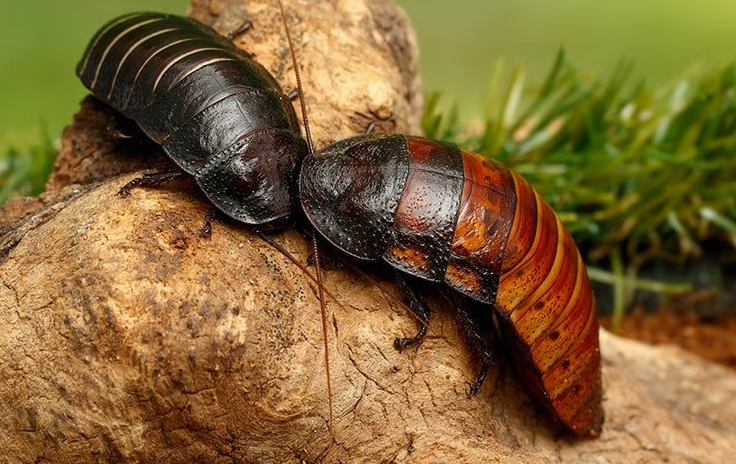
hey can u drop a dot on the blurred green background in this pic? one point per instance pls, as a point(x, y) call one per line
point(461, 42)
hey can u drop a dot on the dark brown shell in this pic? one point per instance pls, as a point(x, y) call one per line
point(217, 113)
point(442, 214)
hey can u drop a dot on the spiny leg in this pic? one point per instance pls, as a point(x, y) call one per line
point(419, 308)
point(150, 180)
point(477, 334)
point(476, 327)
point(156, 179)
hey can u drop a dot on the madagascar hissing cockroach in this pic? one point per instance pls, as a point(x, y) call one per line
point(217, 113)
point(442, 214)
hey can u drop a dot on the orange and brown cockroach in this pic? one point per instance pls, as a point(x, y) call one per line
point(441, 214)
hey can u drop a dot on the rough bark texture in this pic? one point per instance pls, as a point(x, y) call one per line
point(125, 336)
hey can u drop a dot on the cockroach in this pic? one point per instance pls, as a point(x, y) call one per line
point(217, 113)
point(441, 214)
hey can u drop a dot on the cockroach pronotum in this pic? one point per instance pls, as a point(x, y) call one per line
point(217, 113)
point(441, 214)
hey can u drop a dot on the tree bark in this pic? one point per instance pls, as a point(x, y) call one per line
point(126, 336)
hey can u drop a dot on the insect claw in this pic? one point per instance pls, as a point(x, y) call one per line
point(239, 30)
point(401, 343)
point(471, 389)
point(206, 230)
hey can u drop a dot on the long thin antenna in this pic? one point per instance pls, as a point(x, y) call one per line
point(323, 310)
point(305, 118)
point(315, 251)
point(267, 238)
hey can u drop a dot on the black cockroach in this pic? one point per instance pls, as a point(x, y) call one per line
point(217, 113)
point(441, 214)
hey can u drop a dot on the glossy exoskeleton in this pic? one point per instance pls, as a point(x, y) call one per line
point(217, 113)
point(442, 214)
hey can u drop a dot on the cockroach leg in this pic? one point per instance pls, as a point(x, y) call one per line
point(243, 28)
point(472, 388)
point(420, 310)
point(206, 230)
point(150, 180)
point(476, 327)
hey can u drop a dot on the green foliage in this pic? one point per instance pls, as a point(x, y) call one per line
point(24, 172)
point(635, 173)
point(622, 164)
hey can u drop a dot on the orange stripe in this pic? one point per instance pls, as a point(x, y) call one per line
point(521, 283)
point(484, 219)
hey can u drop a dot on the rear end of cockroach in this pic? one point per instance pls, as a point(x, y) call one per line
point(547, 304)
point(442, 214)
point(218, 114)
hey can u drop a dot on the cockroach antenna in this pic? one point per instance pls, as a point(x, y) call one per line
point(315, 251)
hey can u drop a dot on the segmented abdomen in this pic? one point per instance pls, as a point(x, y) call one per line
point(446, 215)
point(546, 300)
point(511, 250)
point(216, 112)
